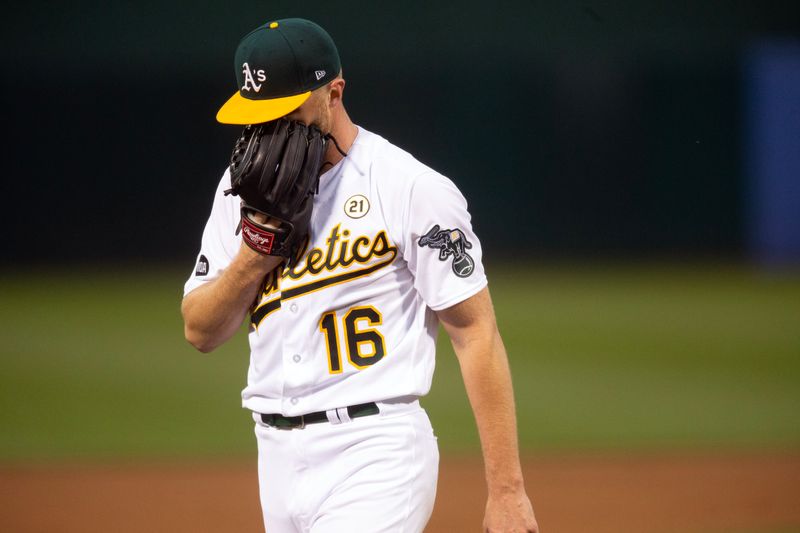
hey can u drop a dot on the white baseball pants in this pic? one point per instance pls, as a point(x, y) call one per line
point(371, 474)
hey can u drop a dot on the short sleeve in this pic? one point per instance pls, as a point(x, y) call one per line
point(220, 243)
point(441, 249)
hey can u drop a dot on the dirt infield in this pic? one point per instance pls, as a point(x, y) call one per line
point(601, 494)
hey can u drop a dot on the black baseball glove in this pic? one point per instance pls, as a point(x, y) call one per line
point(275, 171)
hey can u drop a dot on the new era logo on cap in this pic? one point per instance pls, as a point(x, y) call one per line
point(319, 74)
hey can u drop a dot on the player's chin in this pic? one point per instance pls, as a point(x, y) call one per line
point(323, 119)
point(324, 125)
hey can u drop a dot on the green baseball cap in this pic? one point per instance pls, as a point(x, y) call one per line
point(277, 66)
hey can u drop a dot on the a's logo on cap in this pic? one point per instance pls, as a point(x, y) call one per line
point(319, 74)
point(250, 83)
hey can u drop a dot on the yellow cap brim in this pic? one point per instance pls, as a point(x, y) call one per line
point(241, 110)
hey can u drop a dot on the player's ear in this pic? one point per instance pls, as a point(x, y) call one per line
point(336, 92)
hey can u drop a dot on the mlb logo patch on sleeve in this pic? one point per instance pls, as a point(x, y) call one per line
point(202, 266)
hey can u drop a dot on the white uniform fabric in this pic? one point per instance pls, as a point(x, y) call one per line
point(375, 474)
point(353, 322)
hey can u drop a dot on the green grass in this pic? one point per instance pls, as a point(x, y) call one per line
point(642, 357)
point(94, 364)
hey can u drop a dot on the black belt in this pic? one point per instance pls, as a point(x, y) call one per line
point(299, 422)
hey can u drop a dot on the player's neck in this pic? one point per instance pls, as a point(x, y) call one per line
point(345, 132)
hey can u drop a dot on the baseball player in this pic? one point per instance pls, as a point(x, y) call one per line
point(344, 254)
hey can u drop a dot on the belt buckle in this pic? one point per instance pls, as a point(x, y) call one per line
point(285, 424)
point(291, 425)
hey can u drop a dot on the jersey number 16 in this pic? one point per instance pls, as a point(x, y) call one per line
point(365, 345)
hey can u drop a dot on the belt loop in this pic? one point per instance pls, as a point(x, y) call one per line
point(333, 416)
point(344, 416)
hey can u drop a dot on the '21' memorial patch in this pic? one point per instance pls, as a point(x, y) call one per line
point(450, 242)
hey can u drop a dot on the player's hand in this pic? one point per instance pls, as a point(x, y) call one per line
point(510, 513)
point(264, 220)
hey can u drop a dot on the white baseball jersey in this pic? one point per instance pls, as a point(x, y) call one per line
point(353, 322)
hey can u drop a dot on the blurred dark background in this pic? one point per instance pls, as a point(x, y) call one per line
point(574, 129)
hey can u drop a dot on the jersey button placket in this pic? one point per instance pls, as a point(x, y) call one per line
point(288, 348)
point(294, 344)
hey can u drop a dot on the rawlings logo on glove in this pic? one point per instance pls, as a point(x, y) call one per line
point(257, 238)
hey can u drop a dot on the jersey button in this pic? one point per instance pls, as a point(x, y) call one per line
point(293, 308)
point(294, 401)
point(296, 358)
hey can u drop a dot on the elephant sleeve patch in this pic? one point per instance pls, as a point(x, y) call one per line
point(452, 244)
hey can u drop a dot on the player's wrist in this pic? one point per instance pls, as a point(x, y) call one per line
point(253, 261)
point(506, 486)
point(266, 234)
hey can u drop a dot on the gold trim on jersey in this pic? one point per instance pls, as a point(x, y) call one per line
point(356, 338)
point(339, 254)
point(327, 323)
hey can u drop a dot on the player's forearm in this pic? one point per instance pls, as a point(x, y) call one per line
point(214, 312)
point(487, 380)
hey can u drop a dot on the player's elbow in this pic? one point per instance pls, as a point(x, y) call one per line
point(202, 343)
point(197, 336)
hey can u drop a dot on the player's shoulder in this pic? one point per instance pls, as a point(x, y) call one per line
point(224, 181)
point(225, 206)
point(389, 163)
